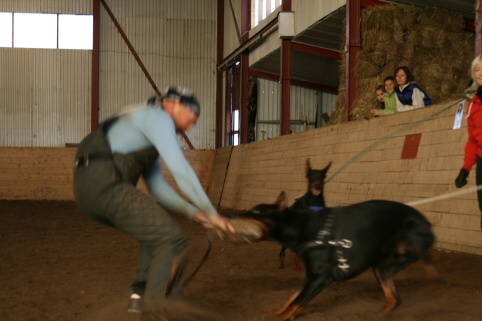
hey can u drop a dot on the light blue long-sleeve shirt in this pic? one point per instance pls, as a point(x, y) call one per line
point(152, 126)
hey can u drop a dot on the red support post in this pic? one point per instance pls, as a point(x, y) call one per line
point(245, 17)
point(285, 75)
point(353, 13)
point(478, 28)
point(94, 119)
point(218, 137)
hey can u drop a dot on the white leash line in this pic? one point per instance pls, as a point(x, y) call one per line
point(444, 196)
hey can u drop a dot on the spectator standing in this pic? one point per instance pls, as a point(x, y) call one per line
point(473, 147)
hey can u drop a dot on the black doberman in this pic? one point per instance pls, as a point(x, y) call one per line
point(337, 244)
point(313, 199)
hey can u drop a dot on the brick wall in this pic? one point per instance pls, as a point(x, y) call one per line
point(406, 157)
point(47, 173)
point(372, 159)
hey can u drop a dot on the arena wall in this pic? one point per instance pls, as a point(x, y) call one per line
point(407, 157)
point(47, 173)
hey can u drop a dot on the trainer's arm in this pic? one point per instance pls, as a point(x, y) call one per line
point(159, 129)
point(162, 191)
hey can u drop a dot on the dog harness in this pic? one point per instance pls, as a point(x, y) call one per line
point(326, 238)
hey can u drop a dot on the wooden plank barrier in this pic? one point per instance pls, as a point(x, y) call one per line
point(47, 173)
point(369, 163)
point(405, 157)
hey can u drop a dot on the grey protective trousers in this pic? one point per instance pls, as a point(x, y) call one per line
point(105, 190)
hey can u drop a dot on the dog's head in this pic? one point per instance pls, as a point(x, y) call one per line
point(254, 224)
point(316, 178)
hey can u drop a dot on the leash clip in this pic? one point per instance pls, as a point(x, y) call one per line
point(345, 243)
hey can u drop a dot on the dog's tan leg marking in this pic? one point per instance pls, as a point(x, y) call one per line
point(284, 306)
point(288, 314)
point(389, 290)
point(388, 287)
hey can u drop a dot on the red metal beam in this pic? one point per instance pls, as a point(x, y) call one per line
point(314, 86)
point(285, 75)
point(353, 12)
point(245, 17)
point(218, 137)
point(372, 3)
point(315, 50)
point(94, 112)
point(478, 29)
point(294, 81)
point(139, 61)
point(469, 25)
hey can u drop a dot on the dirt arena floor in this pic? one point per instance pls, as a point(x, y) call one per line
point(57, 265)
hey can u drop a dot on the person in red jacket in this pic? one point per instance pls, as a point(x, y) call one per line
point(473, 147)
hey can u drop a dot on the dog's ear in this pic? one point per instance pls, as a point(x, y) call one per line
point(326, 168)
point(307, 167)
point(281, 201)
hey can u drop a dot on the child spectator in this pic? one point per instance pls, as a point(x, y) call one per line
point(410, 95)
point(380, 92)
point(389, 98)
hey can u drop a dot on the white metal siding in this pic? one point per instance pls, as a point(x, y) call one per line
point(231, 25)
point(307, 12)
point(176, 41)
point(46, 94)
point(303, 102)
point(47, 6)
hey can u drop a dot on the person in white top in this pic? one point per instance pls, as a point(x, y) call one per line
point(410, 95)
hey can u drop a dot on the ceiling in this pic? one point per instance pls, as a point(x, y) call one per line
point(322, 70)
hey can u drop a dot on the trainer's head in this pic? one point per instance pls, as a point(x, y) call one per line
point(181, 104)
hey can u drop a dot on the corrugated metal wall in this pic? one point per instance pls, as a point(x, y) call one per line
point(304, 102)
point(176, 41)
point(232, 24)
point(47, 6)
point(46, 94)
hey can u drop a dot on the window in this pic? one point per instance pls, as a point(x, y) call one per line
point(75, 31)
point(6, 29)
point(260, 9)
point(235, 131)
point(33, 30)
point(41, 30)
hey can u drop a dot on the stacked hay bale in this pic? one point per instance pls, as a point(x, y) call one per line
point(431, 42)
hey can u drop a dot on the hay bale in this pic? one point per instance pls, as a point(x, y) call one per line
point(440, 19)
point(431, 42)
point(432, 37)
point(366, 67)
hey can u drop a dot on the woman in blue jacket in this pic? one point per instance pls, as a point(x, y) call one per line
point(410, 95)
